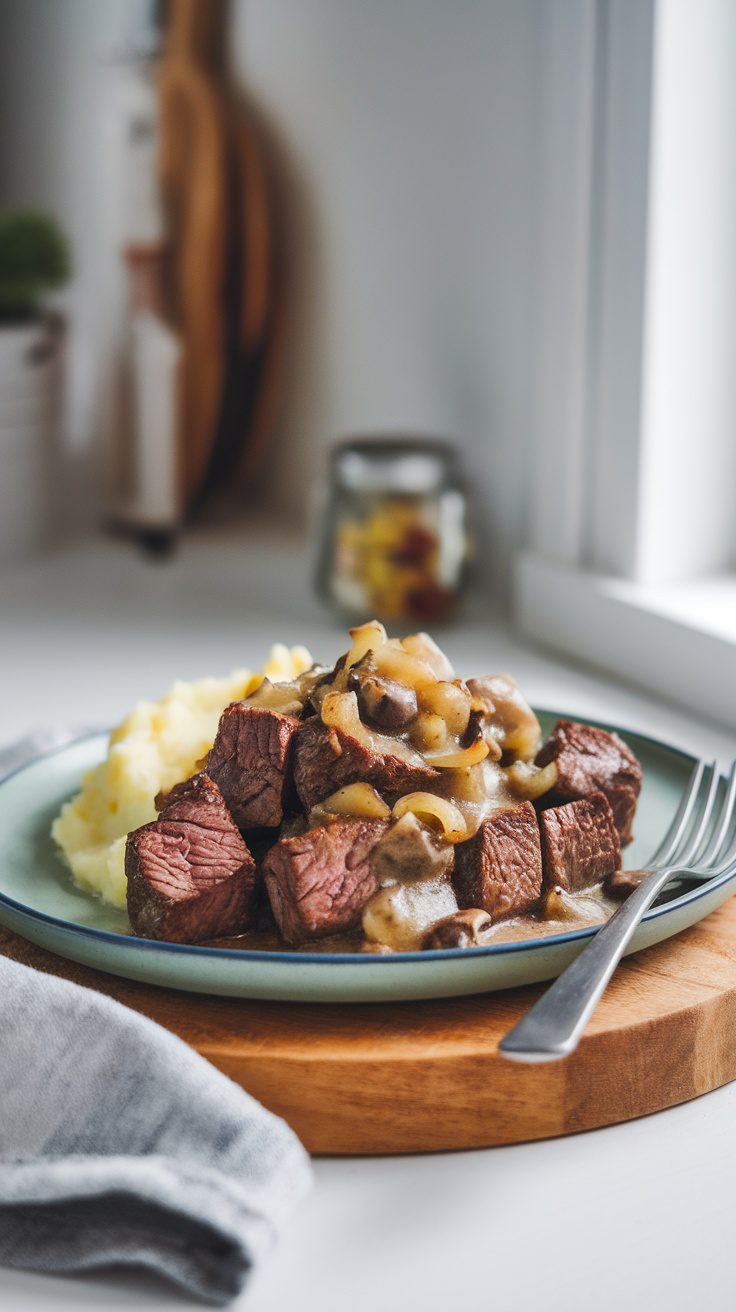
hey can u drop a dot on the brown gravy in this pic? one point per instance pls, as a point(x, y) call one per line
point(590, 907)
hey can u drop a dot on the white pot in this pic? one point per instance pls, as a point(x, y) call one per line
point(30, 402)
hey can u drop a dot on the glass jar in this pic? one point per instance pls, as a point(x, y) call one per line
point(395, 542)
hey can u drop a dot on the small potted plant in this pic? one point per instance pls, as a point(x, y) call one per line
point(34, 261)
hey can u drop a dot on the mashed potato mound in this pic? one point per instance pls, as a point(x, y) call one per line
point(158, 744)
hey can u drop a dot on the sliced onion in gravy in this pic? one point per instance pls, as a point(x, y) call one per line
point(435, 810)
point(463, 757)
point(395, 663)
point(358, 800)
point(451, 701)
point(340, 711)
point(367, 637)
point(421, 645)
point(429, 733)
point(531, 781)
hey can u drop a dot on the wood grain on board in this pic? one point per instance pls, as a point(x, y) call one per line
point(423, 1076)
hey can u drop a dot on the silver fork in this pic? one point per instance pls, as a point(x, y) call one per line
point(700, 843)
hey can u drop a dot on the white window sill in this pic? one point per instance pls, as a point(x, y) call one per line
point(679, 640)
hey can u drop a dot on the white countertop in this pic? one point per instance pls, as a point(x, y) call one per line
point(636, 1215)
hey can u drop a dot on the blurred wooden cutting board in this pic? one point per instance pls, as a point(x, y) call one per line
point(424, 1076)
point(221, 279)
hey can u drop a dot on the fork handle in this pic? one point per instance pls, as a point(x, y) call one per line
point(553, 1027)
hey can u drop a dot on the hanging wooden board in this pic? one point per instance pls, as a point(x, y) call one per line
point(423, 1076)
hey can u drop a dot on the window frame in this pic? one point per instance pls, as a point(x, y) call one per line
point(592, 581)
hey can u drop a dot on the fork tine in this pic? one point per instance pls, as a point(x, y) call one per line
point(728, 857)
point(717, 848)
point(680, 821)
point(697, 831)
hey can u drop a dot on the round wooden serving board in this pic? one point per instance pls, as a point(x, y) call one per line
point(422, 1076)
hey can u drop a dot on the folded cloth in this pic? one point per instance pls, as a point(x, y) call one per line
point(119, 1144)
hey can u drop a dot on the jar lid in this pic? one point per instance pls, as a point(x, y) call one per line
point(394, 464)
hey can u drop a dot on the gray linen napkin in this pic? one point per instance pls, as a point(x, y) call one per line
point(120, 1144)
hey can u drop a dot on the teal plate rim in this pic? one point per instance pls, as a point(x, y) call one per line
point(275, 957)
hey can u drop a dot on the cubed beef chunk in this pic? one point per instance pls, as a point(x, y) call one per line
point(192, 800)
point(589, 760)
point(621, 883)
point(326, 759)
point(580, 843)
point(190, 874)
point(250, 761)
point(499, 870)
point(319, 882)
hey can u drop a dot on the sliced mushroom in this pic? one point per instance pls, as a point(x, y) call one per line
point(408, 851)
point(383, 702)
point(463, 930)
point(401, 914)
point(289, 697)
point(479, 729)
point(327, 682)
point(340, 711)
point(282, 697)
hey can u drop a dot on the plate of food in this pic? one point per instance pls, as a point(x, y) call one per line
point(380, 829)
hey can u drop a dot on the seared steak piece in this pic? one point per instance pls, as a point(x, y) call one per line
point(250, 761)
point(190, 800)
point(326, 759)
point(190, 874)
point(580, 843)
point(319, 882)
point(499, 870)
point(590, 760)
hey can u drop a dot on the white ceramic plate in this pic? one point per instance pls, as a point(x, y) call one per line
point(39, 901)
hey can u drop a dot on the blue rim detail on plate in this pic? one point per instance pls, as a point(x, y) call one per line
point(276, 957)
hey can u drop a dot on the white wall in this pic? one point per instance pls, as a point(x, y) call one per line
point(54, 66)
point(405, 133)
point(409, 132)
